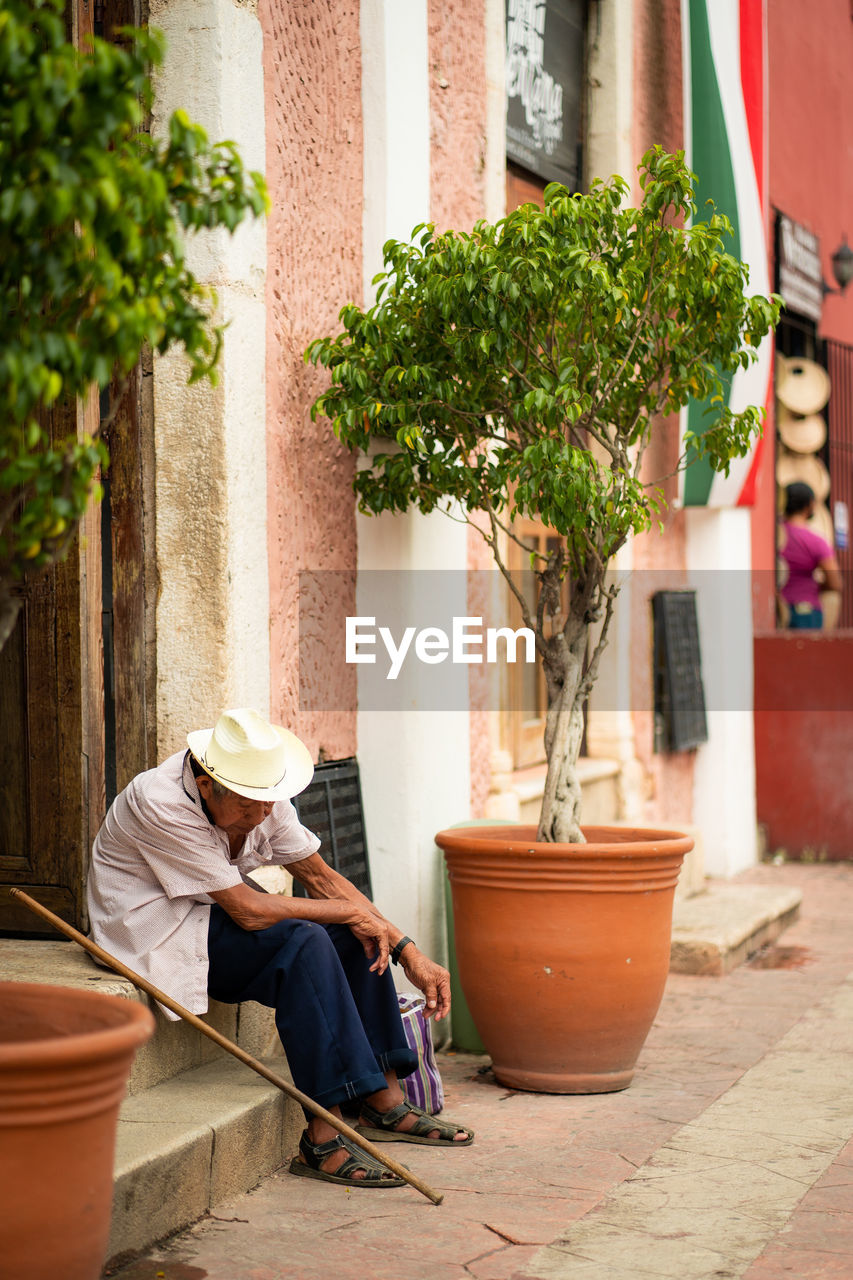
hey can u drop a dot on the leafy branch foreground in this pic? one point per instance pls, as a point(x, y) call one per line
point(523, 369)
point(93, 214)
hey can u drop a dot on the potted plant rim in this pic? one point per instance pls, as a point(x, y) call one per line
point(65, 1057)
point(522, 370)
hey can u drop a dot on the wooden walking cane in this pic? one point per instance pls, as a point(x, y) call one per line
point(225, 1043)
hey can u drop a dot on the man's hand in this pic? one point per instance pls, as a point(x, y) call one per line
point(430, 978)
point(372, 933)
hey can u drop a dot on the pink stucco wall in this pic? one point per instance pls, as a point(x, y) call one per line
point(658, 563)
point(457, 53)
point(312, 75)
point(658, 83)
point(457, 58)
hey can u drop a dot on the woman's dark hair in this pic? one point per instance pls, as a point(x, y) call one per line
point(798, 497)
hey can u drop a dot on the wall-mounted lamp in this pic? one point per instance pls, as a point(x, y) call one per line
point(842, 264)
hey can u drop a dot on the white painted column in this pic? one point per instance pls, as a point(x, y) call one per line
point(213, 609)
point(611, 81)
point(718, 558)
point(415, 767)
point(415, 762)
point(610, 727)
point(395, 105)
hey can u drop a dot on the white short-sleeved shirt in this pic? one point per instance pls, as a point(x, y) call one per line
point(155, 862)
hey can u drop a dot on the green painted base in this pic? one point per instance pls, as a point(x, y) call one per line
point(464, 1035)
point(463, 1031)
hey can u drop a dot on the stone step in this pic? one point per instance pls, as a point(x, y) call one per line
point(176, 1046)
point(716, 930)
point(192, 1142)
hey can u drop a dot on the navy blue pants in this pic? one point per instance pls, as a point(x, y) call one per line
point(339, 1024)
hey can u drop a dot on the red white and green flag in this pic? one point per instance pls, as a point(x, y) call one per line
point(725, 118)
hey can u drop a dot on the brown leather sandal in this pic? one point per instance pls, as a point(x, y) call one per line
point(381, 1126)
point(376, 1176)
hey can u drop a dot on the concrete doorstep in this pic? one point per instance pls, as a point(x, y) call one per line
point(721, 927)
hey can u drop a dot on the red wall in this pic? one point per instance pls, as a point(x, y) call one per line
point(804, 741)
point(810, 51)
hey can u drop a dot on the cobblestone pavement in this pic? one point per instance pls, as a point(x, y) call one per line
point(731, 1154)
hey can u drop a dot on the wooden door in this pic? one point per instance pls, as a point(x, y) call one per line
point(67, 741)
point(51, 725)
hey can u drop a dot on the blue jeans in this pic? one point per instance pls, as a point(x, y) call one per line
point(339, 1024)
point(805, 619)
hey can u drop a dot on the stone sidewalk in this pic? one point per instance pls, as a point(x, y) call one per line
point(731, 1154)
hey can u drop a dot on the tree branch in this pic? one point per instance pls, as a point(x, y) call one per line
point(650, 290)
point(492, 542)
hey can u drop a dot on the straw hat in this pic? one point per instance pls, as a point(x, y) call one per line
point(251, 757)
point(803, 386)
point(803, 467)
point(801, 435)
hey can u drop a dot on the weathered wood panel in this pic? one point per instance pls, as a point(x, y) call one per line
point(43, 818)
point(92, 651)
point(128, 580)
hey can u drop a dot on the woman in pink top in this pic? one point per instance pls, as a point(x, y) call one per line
point(804, 551)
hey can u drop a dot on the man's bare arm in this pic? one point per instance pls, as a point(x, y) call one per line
point(322, 881)
point(252, 909)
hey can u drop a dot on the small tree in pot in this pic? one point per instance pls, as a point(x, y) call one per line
point(522, 370)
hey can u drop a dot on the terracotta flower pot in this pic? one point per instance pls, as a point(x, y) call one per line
point(563, 949)
point(65, 1056)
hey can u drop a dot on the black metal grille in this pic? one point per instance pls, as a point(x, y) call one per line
point(331, 807)
point(680, 722)
point(840, 433)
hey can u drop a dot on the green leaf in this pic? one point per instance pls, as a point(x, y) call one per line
point(525, 366)
point(92, 219)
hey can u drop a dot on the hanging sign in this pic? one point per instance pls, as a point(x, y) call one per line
point(800, 279)
point(544, 69)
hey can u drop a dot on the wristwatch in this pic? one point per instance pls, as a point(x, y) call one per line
point(398, 950)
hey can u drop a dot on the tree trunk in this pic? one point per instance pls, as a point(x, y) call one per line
point(560, 817)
